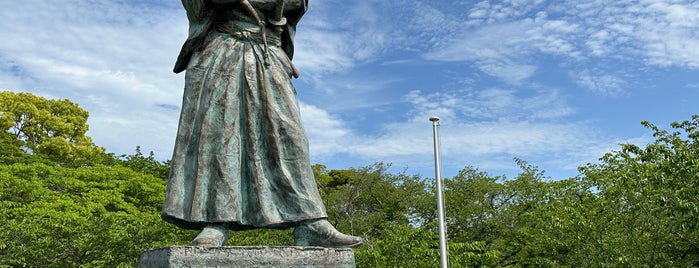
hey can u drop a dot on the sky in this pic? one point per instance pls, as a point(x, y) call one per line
point(555, 83)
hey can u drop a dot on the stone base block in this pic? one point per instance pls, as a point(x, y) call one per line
point(189, 256)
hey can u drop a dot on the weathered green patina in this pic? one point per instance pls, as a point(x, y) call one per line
point(241, 156)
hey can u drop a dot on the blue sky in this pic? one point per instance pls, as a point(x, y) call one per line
point(556, 83)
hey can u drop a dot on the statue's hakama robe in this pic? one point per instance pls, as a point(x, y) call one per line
point(241, 154)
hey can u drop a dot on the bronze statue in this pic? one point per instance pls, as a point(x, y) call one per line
point(241, 155)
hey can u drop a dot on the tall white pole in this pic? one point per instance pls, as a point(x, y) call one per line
point(443, 253)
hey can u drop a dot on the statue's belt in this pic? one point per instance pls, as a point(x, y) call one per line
point(254, 34)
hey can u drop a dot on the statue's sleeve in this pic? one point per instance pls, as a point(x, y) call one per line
point(196, 9)
point(288, 35)
point(199, 17)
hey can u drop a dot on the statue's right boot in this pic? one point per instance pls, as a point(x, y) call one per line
point(321, 233)
point(213, 235)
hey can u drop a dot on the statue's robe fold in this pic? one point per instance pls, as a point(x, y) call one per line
point(241, 154)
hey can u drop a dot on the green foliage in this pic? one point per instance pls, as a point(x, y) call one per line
point(369, 200)
point(396, 215)
point(64, 202)
point(406, 246)
point(146, 165)
point(499, 214)
point(401, 246)
point(50, 131)
point(651, 198)
point(66, 217)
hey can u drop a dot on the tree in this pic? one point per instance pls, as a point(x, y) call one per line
point(80, 217)
point(368, 200)
point(650, 198)
point(145, 165)
point(65, 202)
point(47, 130)
point(500, 213)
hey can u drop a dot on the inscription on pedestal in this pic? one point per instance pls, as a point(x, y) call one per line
point(189, 256)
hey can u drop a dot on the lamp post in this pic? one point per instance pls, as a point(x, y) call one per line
point(444, 257)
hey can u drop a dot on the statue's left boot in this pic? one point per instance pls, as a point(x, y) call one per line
point(212, 235)
point(321, 233)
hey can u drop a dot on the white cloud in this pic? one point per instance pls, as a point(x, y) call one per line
point(334, 36)
point(487, 145)
point(327, 135)
point(498, 11)
point(603, 84)
point(492, 104)
point(320, 52)
point(506, 39)
point(506, 49)
point(662, 33)
point(115, 59)
point(480, 128)
point(492, 48)
point(111, 58)
point(672, 38)
point(503, 38)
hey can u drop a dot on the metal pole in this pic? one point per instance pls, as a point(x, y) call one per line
point(443, 253)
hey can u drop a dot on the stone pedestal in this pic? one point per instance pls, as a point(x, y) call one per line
point(189, 256)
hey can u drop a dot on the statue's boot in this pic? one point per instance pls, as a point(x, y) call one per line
point(213, 235)
point(321, 233)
